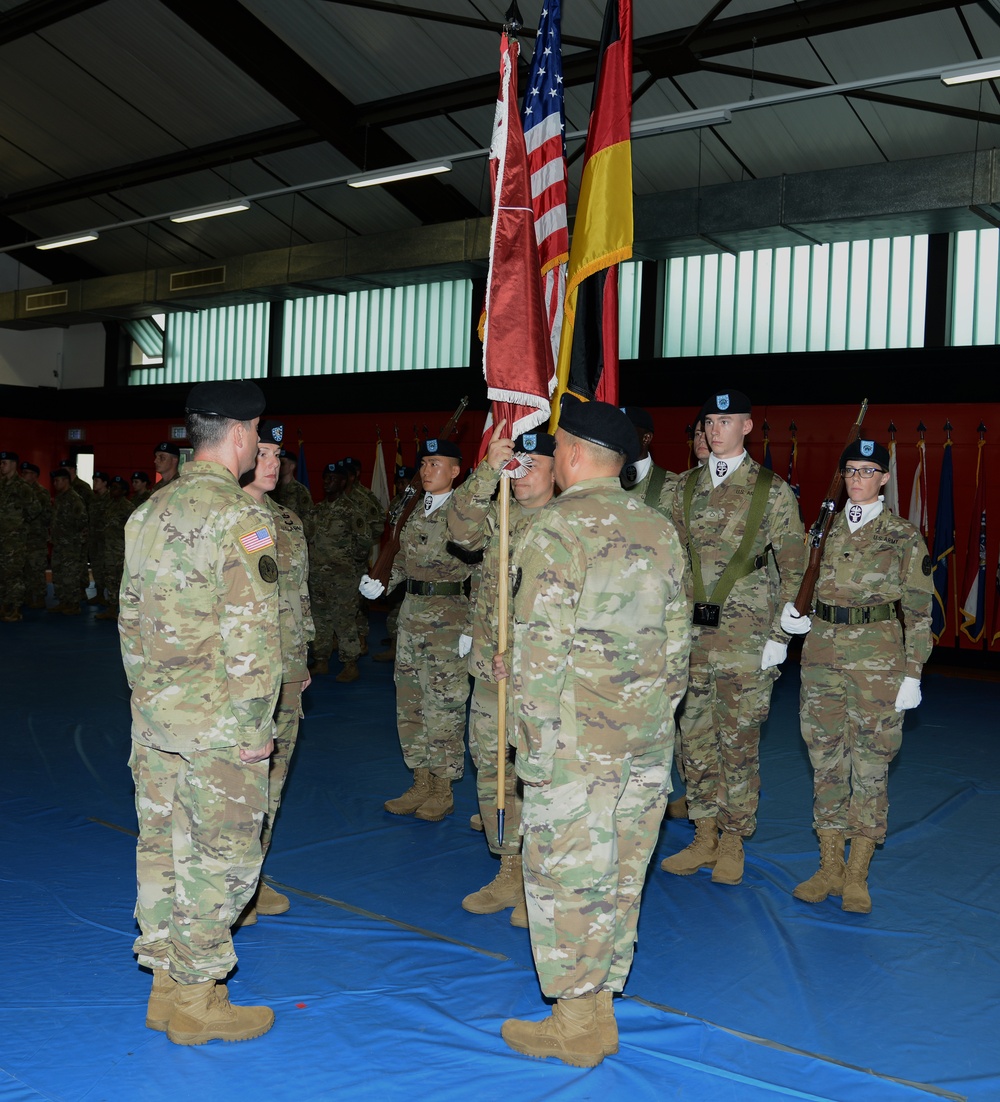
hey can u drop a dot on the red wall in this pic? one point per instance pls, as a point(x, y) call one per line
point(121, 447)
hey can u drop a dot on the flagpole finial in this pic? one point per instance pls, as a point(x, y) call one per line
point(892, 428)
point(947, 428)
point(689, 429)
point(513, 21)
point(766, 427)
point(793, 427)
point(921, 428)
point(981, 428)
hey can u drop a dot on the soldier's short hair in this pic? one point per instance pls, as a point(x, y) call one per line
point(209, 430)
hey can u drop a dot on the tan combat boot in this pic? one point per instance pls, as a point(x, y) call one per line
point(110, 613)
point(440, 802)
point(570, 1033)
point(607, 1027)
point(319, 667)
point(519, 915)
point(269, 902)
point(386, 655)
point(362, 644)
point(203, 1012)
point(476, 822)
point(829, 877)
point(506, 889)
point(701, 853)
point(678, 809)
point(729, 863)
point(856, 897)
point(350, 672)
point(414, 796)
point(161, 1000)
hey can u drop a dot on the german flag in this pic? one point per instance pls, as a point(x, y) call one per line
point(602, 231)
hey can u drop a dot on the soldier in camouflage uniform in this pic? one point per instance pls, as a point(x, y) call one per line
point(860, 672)
point(68, 534)
point(295, 621)
point(291, 493)
point(473, 523)
point(602, 630)
point(86, 494)
point(202, 654)
point(140, 488)
point(371, 509)
point(96, 514)
point(166, 463)
point(37, 554)
point(18, 509)
point(339, 541)
point(116, 513)
point(652, 484)
point(432, 680)
point(732, 516)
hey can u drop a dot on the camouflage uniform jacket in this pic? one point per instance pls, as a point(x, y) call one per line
point(882, 562)
point(141, 498)
point(83, 491)
point(424, 556)
point(370, 508)
point(602, 630)
point(293, 495)
point(295, 618)
point(97, 511)
point(19, 507)
point(473, 523)
point(339, 536)
point(752, 613)
point(38, 523)
point(116, 513)
point(665, 498)
point(69, 519)
point(199, 616)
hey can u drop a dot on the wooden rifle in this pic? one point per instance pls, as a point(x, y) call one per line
point(399, 516)
point(821, 529)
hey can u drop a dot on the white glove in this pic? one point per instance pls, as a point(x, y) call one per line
point(793, 622)
point(464, 645)
point(774, 654)
point(909, 694)
point(371, 587)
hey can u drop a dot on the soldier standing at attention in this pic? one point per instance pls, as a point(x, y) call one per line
point(96, 514)
point(338, 541)
point(651, 482)
point(84, 491)
point(860, 672)
point(116, 513)
point(69, 544)
point(202, 654)
point(602, 627)
point(371, 509)
point(394, 600)
point(296, 626)
point(290, 492)
point(432, 680)
point(18, 508)
point(37, 555)
point(86, 494)
point(166, 461)
point(473, 523)
point(731, 515)
point(140, 488)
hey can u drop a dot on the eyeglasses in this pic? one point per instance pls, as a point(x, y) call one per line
point(860, 472)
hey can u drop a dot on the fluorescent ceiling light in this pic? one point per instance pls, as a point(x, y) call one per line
point(209, 212)
point(400, 172)
point(670, 124)
point(62, 242)
point(966, 74)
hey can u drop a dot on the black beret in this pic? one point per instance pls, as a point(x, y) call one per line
point(26, 466)
point(439, 447)
point(60, 472)
point(270, 432)
point(140, 475)
point(117, 480)
point(639, 417)
point(169, 447)
point(10, 455)
point(286, 453)
point(333, 468)
point(535, 443)
point(866, 450)
point(102, 475)
point(68, 463)
point(237, 399)
point(355, 464)
point(726, 401)
point(405, 472)
point(599, 423)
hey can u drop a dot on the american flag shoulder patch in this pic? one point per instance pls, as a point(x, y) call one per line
point(256, 540)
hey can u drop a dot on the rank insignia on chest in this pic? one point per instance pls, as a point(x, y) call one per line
point(256, 540)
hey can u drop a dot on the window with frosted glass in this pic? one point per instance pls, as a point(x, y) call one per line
point(228, 342)
point(629, 300)
point(806, 298)
point(975, 317)
point(413, 328)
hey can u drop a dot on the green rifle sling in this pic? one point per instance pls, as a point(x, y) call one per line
point(656, 479)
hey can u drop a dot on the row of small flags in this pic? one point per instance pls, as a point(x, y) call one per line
point(972, 589)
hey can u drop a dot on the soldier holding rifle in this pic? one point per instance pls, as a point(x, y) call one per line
point(860, 667)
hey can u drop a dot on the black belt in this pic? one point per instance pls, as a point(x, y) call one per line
point(434, 589)
point(866, 614)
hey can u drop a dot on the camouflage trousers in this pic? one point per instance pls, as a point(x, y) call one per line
point(727, 700)
point(13, 552)
point(35, 563)
point(333, 595)
point(198, 856)
point(483, 744)
point(69, 568)
point(852, 731)
point(286, 717)
point(588, 837)
point(432, 687)
point(114, 567)
point(97, 556)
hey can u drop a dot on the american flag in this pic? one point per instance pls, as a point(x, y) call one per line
point(544, 118)
point(256, 541)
